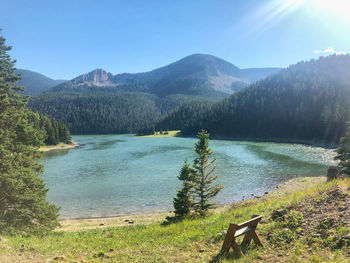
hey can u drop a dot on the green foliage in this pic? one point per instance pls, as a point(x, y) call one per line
point(56, 131)
point(35, 83)
point(343, 152)
point(204, 190)
point(23, 208)
point(180, 242)
point(294, 220)
point(100, 110)
point(130, 102)
point(182, 201)
point(146, 131)
point(309, 101)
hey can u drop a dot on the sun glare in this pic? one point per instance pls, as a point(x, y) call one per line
point(338, 8)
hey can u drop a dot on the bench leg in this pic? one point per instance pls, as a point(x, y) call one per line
point(246, 240)
point(229, 238)
point(236, 248)
point(256, 239)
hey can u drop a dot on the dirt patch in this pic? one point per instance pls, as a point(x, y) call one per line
point(321, 221)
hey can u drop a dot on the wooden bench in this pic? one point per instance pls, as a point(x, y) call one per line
point(247, 229)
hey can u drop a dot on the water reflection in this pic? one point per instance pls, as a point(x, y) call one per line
point(120, 174)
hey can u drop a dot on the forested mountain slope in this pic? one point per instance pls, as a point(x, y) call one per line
point(100, 102)
point(35, 83)
point(307, 101)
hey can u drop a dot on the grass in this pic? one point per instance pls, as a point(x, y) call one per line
point(174, 133)
point(188, 241)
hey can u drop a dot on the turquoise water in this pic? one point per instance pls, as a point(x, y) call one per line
point(123, 174)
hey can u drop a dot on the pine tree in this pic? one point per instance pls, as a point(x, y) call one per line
point(182, 202)
point(23, 206)
point(204, 190)
point(343, 152)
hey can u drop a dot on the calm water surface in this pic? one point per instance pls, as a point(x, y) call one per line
point(122, 174)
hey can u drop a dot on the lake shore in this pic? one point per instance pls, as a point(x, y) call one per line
point(280, 140)
point(60, 146)
point(174, 133)
point(78, 224)
point(177, 133)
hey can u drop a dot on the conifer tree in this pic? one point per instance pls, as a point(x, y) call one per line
point(204, 190)
point(343, 152)
point(182, 202)
point(23, 206)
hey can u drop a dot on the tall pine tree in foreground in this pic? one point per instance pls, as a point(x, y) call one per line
point(343, 153)
point(23, 206)
point(182, 202)
point(204, 189)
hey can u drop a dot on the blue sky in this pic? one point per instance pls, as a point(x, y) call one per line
point(63, 39)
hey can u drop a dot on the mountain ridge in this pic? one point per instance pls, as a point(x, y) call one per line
point(34, 82)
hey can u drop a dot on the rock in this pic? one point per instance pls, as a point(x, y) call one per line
point(266, 193)
point(101, 224)
point(126, 220)
point(131, 222)
point(96, 76)
point(332, 173)
point(201, 250)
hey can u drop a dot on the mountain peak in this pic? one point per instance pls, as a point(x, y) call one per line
point(96, 76)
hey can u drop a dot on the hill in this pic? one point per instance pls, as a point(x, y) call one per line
point(196, 74)
point(307, 102)
point(100, 102)
point(305, 220)
point(35, 83)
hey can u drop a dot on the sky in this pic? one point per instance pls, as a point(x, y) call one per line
point(64, 39)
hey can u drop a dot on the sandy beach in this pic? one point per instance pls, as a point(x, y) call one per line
point(60, 146)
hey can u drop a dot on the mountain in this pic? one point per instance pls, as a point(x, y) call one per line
point(100, 102)
point(198, 74)
point(35, 83)
point(255, 74)
point(307, 102)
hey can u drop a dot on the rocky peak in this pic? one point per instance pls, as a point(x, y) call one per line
point(95, 76)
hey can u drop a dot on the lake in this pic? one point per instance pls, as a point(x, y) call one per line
point(110, 175)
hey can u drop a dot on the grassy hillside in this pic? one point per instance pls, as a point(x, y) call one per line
point(314, 228)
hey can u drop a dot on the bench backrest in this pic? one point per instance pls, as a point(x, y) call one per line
point(251, 222)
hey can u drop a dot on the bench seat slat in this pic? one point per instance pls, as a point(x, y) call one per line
point(252, 222)
point(243, 231)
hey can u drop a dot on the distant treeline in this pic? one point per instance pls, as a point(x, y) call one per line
point(56, 131)
point(88, 110)
point(308, 101)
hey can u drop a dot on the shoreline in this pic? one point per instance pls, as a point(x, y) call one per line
point(79, 224)
point(60, 146)
point(275, 140)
